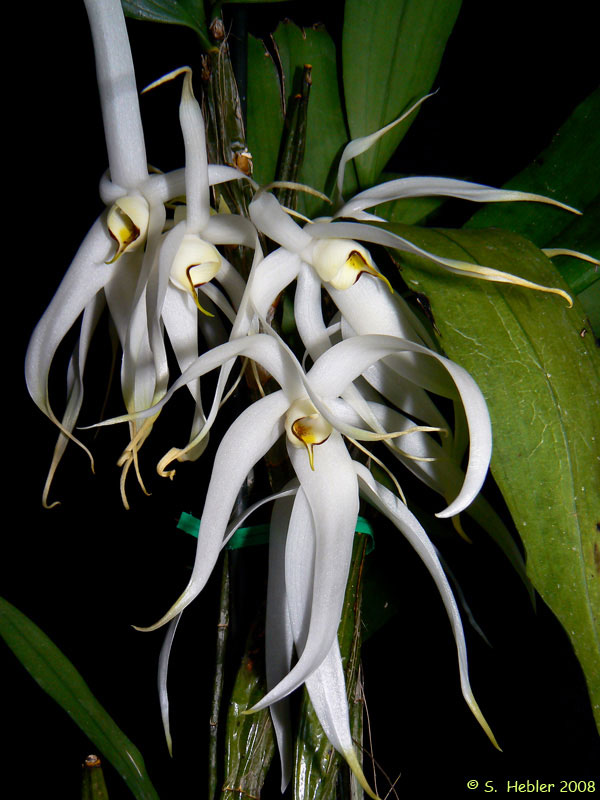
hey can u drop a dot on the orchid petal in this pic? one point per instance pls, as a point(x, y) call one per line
point(408, 525)
point(279, 641)
point(259, 347)
point(86, 276)
point(218, 299)
point(552, 252)
point(331, 490)
point(447, 187)
point(368, 308)
point(368, 233)
point(163, 669)
point(327, 691)
point(340, 365)
point(308, 314)
point(326, 686)
point(180, 317)
point(272, 275)
point(76, 368)
point(246, 441)
point(196, 161)
point(270, 218)
point(118, 93)
point(404, 394)
point(290, 490)
point(363, 143)
point(231, 280)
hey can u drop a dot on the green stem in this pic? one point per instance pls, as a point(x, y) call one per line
point(222, 631)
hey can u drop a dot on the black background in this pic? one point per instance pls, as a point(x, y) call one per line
point(86, 570)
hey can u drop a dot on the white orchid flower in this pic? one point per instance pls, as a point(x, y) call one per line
point(293, 565)
point(332, 250)
point(118, 261)
point(305, 409)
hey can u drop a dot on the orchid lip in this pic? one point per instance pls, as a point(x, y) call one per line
point(305, 427)
point(127, 223)
point(341, 262)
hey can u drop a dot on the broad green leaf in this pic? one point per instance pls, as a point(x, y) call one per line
point(326, 131)
point(568, 170)
point(175, 12)
point(583, 235)
point(265, 113)
point(541, 380)
point(391, 52)
point(59, 678)
point(590, 302)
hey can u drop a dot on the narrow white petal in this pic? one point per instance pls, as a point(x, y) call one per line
point(404, 394)
point(233, 283)
point(326, 685)
point(270, 277)
point(180, 314)
point(368, 308)
point(75, 372)
point(270, 218)
point(308, 312)
point(360, 145)
point(279, 641)
point(218, 173)
point(331, 490)
point(118, 93)
point(218, 299)
point(433, 186)
point(196, 161)
point(340, 365)
point(552, 252)
point(86, 276)
point(246, 441)
point(327, 690)
point(260, 347)
point(368, 233)
point(409, 526)
point(288, 492)
point(163, 670)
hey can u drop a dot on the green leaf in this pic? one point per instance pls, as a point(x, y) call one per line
point(391, 51)
point(568, 170)
point(93, 786)
point(265, 113)
point(541, 380)
point(326, 132)
point(59, 678)
point(249, 738)
point(174, 12)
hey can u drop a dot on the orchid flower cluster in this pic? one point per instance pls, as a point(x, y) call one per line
point(367, 375)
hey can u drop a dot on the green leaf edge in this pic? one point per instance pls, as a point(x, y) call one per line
point(57, 676)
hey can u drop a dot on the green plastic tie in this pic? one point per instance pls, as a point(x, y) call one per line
point(259, 534)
